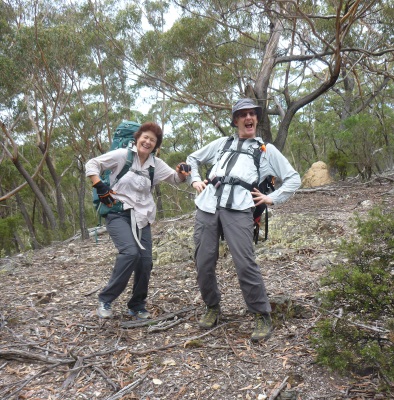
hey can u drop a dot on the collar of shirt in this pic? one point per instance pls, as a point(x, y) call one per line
point(150, 160)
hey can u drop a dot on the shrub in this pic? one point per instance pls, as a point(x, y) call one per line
point(362, 288)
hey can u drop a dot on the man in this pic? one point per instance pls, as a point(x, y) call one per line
point(225, 204)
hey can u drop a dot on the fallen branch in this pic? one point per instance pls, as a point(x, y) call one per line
point(277, 391)
point(169, 346)
point(25, 382)
point(317, 189)
point(138, 323)
point(73, 373)
point(127, 389)
point(164, 325)
point(340, 316)
point(96, 289)
point(106, 377)
point(26, 356)
point(93, 232)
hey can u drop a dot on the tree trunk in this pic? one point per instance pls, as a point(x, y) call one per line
point(19, 245)
point(263, 80)
point(56, 180)
point(297, 105)
point(159, 202)
point(21, 205)
point(81, 201)
point(37, 192)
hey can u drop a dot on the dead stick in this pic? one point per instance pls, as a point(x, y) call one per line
point(126, 389)
point(276, 392)
point(169, 346)
point(104, 375)
point(158, 328)
point(25, 382)
point(20, 355)
point(230, 344)
point(139, 323)
point(368, 327)
point(73, 373)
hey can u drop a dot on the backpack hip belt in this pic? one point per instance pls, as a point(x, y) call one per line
point(228, 180)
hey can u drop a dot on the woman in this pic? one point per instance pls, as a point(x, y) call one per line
point(130, 229)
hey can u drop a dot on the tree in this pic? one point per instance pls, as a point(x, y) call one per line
point(267, 51)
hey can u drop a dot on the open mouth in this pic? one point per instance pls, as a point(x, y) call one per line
point(249, 125)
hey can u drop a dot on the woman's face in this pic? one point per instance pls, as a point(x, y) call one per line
point(146, 143)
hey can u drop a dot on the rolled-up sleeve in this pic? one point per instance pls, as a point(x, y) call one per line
point(113, 160)
point(205, 155)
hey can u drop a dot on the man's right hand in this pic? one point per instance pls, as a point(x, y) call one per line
point(104, 193)
point(200, 185)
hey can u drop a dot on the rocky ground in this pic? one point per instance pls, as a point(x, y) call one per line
point(53, 346)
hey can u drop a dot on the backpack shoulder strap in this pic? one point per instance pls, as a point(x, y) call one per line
point(228, 143)
point(151, 173)
point(256, 159)
point(128, 164)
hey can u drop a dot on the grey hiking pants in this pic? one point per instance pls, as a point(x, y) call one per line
point(131, 258)
point(238, 232)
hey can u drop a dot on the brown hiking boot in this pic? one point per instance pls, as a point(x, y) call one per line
point(263, 327)
point(210, 318)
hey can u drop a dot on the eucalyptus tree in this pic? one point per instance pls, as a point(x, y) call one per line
point(217, 51)
point(57, 66)
point(36, 45)
point(42, 47)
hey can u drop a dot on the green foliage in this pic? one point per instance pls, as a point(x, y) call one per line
point(362, 287)
point(339, 163)
point(176, 200)
point(8, 226)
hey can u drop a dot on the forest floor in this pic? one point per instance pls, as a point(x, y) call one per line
point(53, 346)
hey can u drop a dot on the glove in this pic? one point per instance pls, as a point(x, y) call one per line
point(104, 193)
point(183, 168)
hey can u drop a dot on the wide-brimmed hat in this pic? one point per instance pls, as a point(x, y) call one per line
point(246, 104)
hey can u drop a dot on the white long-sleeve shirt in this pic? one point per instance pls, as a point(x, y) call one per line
point(134, 188)
point(272, 162)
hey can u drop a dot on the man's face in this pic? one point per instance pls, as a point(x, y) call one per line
point(246, 122)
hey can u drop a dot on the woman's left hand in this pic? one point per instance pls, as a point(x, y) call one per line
point(260, 198)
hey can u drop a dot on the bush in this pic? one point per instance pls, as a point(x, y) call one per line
point(362, 289)
point(339, 164)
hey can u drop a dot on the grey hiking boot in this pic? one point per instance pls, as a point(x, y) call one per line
point(140, 314)
point(210, 318)
point(263, 327)
point(104, 310)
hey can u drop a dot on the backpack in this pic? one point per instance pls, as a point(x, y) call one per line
point(123, 138)
point(266, 186)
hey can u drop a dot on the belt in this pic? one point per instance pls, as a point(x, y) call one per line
point(229, 180)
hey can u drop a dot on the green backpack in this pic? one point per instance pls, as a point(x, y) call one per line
point(123, 138)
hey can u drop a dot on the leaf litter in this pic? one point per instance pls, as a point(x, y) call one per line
point(53, 346)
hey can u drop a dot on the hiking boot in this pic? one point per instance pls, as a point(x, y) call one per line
point(140, 314)
point(263, 327)
point(210, 318)
point(104, 310)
